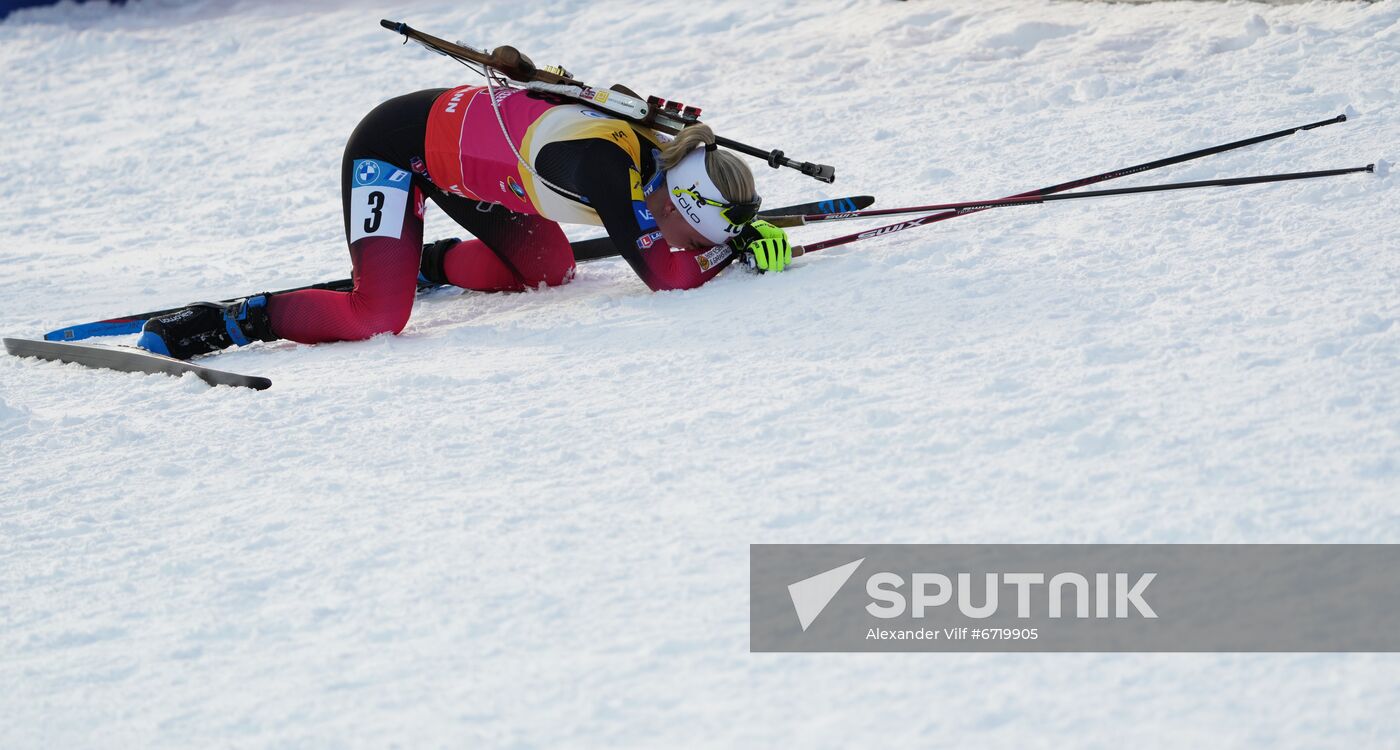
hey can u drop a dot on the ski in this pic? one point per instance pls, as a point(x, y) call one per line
point(129, 324)
point(129, 359)
point(584, 250)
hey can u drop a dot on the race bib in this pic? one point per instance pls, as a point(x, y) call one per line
point(378, 199)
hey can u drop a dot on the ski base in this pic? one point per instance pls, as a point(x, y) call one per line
point(128, 359)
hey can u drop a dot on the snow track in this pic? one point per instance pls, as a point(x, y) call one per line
point(525, 520)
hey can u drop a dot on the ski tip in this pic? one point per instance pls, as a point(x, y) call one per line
point(111, 327)
point(830, 206)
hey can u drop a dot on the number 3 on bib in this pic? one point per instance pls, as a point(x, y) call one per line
point(378, 199)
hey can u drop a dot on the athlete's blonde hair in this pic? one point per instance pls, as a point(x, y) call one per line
point(730, 174)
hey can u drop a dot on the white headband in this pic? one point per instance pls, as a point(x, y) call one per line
point(690, 174)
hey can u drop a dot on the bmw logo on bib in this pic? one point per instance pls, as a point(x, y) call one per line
point(366, 171)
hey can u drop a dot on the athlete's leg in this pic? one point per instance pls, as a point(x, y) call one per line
point(386, 280)
point(512, 251)
point(384, 226)
point(474, 266)
point(386, 236)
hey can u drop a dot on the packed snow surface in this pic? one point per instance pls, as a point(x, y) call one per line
point(525, 521)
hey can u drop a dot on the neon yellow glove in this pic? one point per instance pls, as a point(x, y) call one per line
point(766, 247)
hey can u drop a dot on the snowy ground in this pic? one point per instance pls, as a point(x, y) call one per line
point(525, 520)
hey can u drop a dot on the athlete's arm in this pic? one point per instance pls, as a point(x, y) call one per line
point(606, 178)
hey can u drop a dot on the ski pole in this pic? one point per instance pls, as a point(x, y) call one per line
point(970, 206)
point(1072, 184)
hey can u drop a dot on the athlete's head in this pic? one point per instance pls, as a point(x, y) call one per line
point(710, 192)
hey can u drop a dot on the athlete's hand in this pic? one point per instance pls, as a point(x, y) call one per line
point(765, 247)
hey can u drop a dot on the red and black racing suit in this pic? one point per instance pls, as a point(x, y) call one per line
point(385, 178)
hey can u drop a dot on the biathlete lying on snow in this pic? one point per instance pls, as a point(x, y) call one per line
point(678, 211)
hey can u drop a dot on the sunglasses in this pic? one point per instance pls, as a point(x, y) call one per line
point(736, 213)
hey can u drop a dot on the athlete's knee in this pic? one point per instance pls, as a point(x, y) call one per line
point(376, 316)
point(549, 259)
point(381, 306)
point(557, 273)
point(386, 273)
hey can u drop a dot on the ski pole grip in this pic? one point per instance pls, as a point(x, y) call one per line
point(397, 27)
